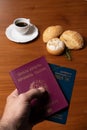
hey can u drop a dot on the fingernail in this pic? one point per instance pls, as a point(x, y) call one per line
point(42, 89)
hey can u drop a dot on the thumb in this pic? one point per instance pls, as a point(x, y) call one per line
point(33, 93)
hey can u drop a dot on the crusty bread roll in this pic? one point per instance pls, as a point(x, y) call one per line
point(52, 32)
point(55, 46)
point(72, 39)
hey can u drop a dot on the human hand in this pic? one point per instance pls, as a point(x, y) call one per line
point(18, 108)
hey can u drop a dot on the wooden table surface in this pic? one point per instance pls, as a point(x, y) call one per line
point(71, 14)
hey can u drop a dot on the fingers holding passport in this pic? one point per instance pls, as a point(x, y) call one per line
point(34, 93)
point(38, 98)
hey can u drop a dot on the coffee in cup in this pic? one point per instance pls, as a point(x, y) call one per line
point(21, 25)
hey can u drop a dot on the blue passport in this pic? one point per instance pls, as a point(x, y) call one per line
point(65, 77)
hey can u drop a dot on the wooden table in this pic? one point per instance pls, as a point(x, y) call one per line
point(71, 14)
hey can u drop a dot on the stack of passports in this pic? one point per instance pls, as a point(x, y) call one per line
point(58, 81)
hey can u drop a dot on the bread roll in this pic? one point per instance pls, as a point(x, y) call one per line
point(55, 46)
point(52, 32)
point(72, 39)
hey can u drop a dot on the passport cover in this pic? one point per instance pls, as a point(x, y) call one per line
point(38, 73)
point(65, 78)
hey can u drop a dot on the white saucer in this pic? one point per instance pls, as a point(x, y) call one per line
point(15, 36)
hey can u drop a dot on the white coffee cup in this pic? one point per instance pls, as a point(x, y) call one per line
point(21, 25)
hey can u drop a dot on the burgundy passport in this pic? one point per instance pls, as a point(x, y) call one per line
point(36, 74)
